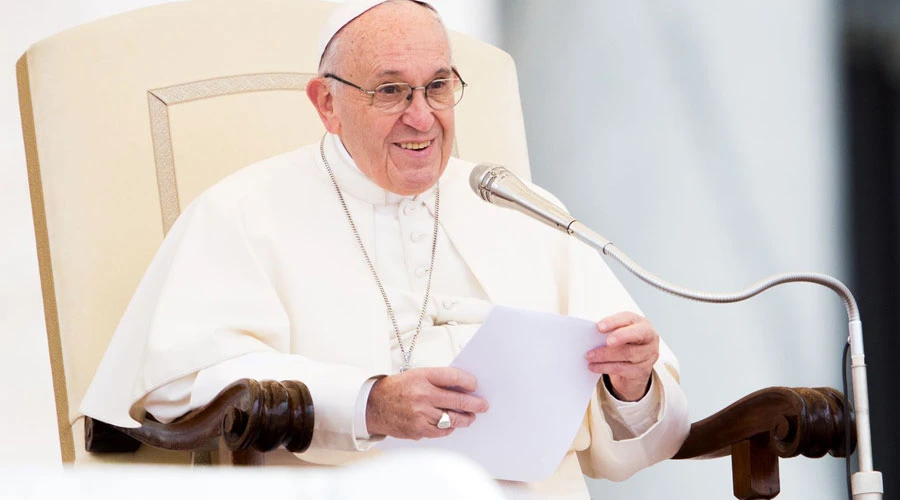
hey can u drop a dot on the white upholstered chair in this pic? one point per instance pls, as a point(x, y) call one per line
point(128, 118)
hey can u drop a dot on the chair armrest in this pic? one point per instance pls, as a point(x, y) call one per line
point(247, 415)
point(768, 424)
point(807, 421)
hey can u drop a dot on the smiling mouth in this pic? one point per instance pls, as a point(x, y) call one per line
point(414, 146)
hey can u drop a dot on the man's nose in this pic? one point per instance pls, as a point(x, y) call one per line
point(419, 114)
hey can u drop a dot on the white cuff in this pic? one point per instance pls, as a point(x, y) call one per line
point(360, 430)
point(634, 417)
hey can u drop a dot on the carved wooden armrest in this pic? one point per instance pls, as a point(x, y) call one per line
point(251, 418)
point(255, 417)
point(768, 424)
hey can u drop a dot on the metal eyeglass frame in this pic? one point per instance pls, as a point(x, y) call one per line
point(423, 88)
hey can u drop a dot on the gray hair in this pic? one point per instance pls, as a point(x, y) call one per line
point(331, 58)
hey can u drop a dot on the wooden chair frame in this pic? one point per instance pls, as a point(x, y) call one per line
point(250, 418)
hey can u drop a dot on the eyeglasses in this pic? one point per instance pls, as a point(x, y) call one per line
point(441, 93)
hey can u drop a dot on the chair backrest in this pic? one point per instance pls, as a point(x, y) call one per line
point(128, 118)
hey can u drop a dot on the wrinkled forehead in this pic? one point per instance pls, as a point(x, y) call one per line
point(352, 10)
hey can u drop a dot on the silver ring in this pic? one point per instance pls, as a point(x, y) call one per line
point(444, 422)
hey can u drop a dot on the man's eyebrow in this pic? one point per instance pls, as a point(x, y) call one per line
point(395, 73)
point(387, 72)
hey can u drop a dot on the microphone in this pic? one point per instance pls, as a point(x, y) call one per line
point(498, 186)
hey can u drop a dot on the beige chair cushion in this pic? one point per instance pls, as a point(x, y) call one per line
point(127, 119)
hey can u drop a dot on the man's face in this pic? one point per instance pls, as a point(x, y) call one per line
point(395, 43)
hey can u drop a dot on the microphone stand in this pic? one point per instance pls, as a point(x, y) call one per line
point(498, 186)
point(866, 483)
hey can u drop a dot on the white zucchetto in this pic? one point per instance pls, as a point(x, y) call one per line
point(342, 16)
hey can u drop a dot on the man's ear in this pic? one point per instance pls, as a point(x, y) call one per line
point(322, 99)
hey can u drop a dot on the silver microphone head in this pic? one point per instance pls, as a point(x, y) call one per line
point(498, 186)
point(482, 178)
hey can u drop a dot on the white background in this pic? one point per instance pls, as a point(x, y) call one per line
point(700, 136)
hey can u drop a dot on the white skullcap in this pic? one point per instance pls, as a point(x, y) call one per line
point(341, 17)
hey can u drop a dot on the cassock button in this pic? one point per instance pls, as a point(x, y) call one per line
point(449, 304)
point(417, 237)
point(421, 272)
point(409, 209)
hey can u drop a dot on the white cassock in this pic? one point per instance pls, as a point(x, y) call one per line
point(261, 277)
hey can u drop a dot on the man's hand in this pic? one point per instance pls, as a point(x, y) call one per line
point(631, 349)
point(408, 405)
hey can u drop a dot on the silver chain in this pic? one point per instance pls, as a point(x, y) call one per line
point(407, 354)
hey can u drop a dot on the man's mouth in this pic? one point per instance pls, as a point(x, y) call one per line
point(415, 146)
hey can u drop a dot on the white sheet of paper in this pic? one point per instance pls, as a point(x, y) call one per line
point(531, 368)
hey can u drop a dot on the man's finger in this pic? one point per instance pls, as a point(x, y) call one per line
point(460, 401)
point(454, 378)
point(627, 353)
point(622, 369)
point(618, 320)
point(637, 333)
point(457, 419)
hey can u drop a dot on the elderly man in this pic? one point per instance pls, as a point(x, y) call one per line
point(354, 266)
